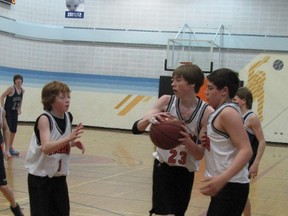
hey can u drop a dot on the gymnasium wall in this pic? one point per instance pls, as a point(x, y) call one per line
point(113, 84)
point(266, 76)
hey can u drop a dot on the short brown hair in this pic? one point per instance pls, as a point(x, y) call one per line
point(192, 74)
point(245, 94)
point(50, 91)
point(225, 77)
point(17, 76)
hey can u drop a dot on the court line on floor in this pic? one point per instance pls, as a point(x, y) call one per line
point(268, 169)
point(259, 176)
point(105, 178)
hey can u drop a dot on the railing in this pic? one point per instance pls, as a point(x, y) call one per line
point(31, 31)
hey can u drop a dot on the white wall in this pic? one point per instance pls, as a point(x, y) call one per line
point(266, 76)
point(259, 17)
point(247, 17)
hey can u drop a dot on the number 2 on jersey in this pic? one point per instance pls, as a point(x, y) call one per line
point(173, 157)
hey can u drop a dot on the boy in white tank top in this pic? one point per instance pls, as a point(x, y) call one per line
point(228, 148)
point(48, 155)
point(173, 172)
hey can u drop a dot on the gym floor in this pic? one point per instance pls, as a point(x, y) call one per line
point(114, 177)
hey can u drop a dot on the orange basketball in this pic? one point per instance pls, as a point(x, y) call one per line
point(166, 133)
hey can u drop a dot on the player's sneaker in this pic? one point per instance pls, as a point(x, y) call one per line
point(17, 210)
point(13, 152)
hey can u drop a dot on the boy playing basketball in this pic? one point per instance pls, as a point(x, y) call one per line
point(4, 187)
point(49, 151)
point(11, 100)
point(173, 172)
point(252, 124)
point(228, 150)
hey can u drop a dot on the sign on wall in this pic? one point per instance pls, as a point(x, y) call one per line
point(266, 76)
point(74, 9)
point(8, 1)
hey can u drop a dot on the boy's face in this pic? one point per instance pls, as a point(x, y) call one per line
point(214, 95)
point(62, 102)
point(180, 86)
point(18, 82)
point(239, 101)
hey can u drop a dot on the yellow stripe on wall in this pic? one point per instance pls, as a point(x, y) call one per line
point(123, 101)
point(130, 106)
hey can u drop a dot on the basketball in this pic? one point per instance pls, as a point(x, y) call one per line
point(166, 133)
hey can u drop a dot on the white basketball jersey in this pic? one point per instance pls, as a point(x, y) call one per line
point(179, 156)
point(222, 152)
point(56, 164)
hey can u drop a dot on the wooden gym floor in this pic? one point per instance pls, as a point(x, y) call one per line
point(113, 177)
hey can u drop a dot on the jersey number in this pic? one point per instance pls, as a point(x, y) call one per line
point(172, 158)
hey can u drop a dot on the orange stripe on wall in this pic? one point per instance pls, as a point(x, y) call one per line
point(122, 102)
point(202, 91)
point(132, 104)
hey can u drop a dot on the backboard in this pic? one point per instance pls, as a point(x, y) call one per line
point(183, 51)
point(202, 48)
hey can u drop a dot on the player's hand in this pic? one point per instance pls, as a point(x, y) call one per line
point(187, 137)
point(79, 145)
point(7, 155)
point(253, 171)
point(76, 133)
point(158, 117)
point(212, 185)
point(205, 141)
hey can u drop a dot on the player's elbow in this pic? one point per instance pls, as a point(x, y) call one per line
point(135, 129)
point(45, 150)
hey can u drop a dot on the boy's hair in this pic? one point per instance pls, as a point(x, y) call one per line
point(17, 76)
point(192, 74)
point(245, 94)
point(50, 91)
point(225, 77)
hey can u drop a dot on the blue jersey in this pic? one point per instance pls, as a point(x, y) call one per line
point(253, 139)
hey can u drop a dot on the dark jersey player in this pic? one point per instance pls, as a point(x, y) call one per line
point(11, 100)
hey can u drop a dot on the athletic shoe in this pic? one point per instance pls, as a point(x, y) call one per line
point(13, 152)
point(17, 210)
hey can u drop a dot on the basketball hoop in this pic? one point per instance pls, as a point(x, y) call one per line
point(185, 63)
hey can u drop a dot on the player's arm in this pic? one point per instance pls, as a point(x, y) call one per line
point(196, 149)
point(232, 124)
point(192, 147)
point(20, 105)
point(7, 92)
point(204, 122)
point(78, 143)
point(49, 146)
point(6, 136)
point(153, 116)
point(255, 125)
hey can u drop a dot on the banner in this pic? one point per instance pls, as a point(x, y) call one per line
point(74, 9)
